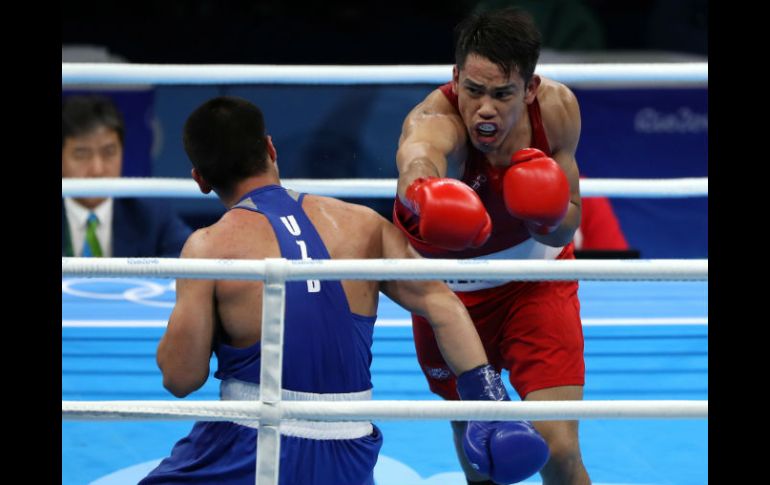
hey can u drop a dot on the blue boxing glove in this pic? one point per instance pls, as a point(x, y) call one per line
point(506, 451)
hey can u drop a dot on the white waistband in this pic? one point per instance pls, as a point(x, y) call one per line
point(529, 249)
point(236, 390)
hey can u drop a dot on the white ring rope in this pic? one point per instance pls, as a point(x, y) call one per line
point(368, 188)
point(275, 272)
point(384, 410)
point(598, 74)
point(393, 269)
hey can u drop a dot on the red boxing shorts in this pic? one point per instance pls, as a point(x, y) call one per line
point(532, 329)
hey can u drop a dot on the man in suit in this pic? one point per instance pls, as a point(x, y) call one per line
point(92, 146)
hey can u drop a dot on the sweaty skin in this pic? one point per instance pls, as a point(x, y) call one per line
point(434, 138)
point(493, 117)
point(231, 310)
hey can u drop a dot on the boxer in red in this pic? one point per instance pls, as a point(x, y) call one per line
point(487, 170)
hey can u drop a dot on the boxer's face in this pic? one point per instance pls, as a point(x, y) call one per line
point(98, 153)
point(490, 102)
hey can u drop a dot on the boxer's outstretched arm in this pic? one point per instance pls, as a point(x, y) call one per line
point(432, 142)
point(455, 334)
point(432, 137)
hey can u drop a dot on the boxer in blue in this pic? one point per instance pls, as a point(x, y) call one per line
point(328, 324)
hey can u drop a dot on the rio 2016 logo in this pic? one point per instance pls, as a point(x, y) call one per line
point(143, 292)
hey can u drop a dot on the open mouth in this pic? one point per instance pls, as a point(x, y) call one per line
point(486, 131)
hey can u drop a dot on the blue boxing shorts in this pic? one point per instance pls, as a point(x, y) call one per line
point(225, 453)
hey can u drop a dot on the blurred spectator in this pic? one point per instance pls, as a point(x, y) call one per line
point(599, 227)
point(599, 235)
point(92, 146)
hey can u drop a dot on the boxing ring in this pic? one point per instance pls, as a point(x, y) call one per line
point(643, 420)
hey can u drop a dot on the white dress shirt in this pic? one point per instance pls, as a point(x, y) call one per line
point(77, 216)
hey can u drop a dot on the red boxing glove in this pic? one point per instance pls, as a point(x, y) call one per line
point(452, 215)
point(536, 190)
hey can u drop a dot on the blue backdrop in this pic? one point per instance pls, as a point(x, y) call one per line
point(352, 131)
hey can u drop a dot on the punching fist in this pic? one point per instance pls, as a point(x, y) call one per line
point(506, 451)
point(536, 190)
point(452, 215)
